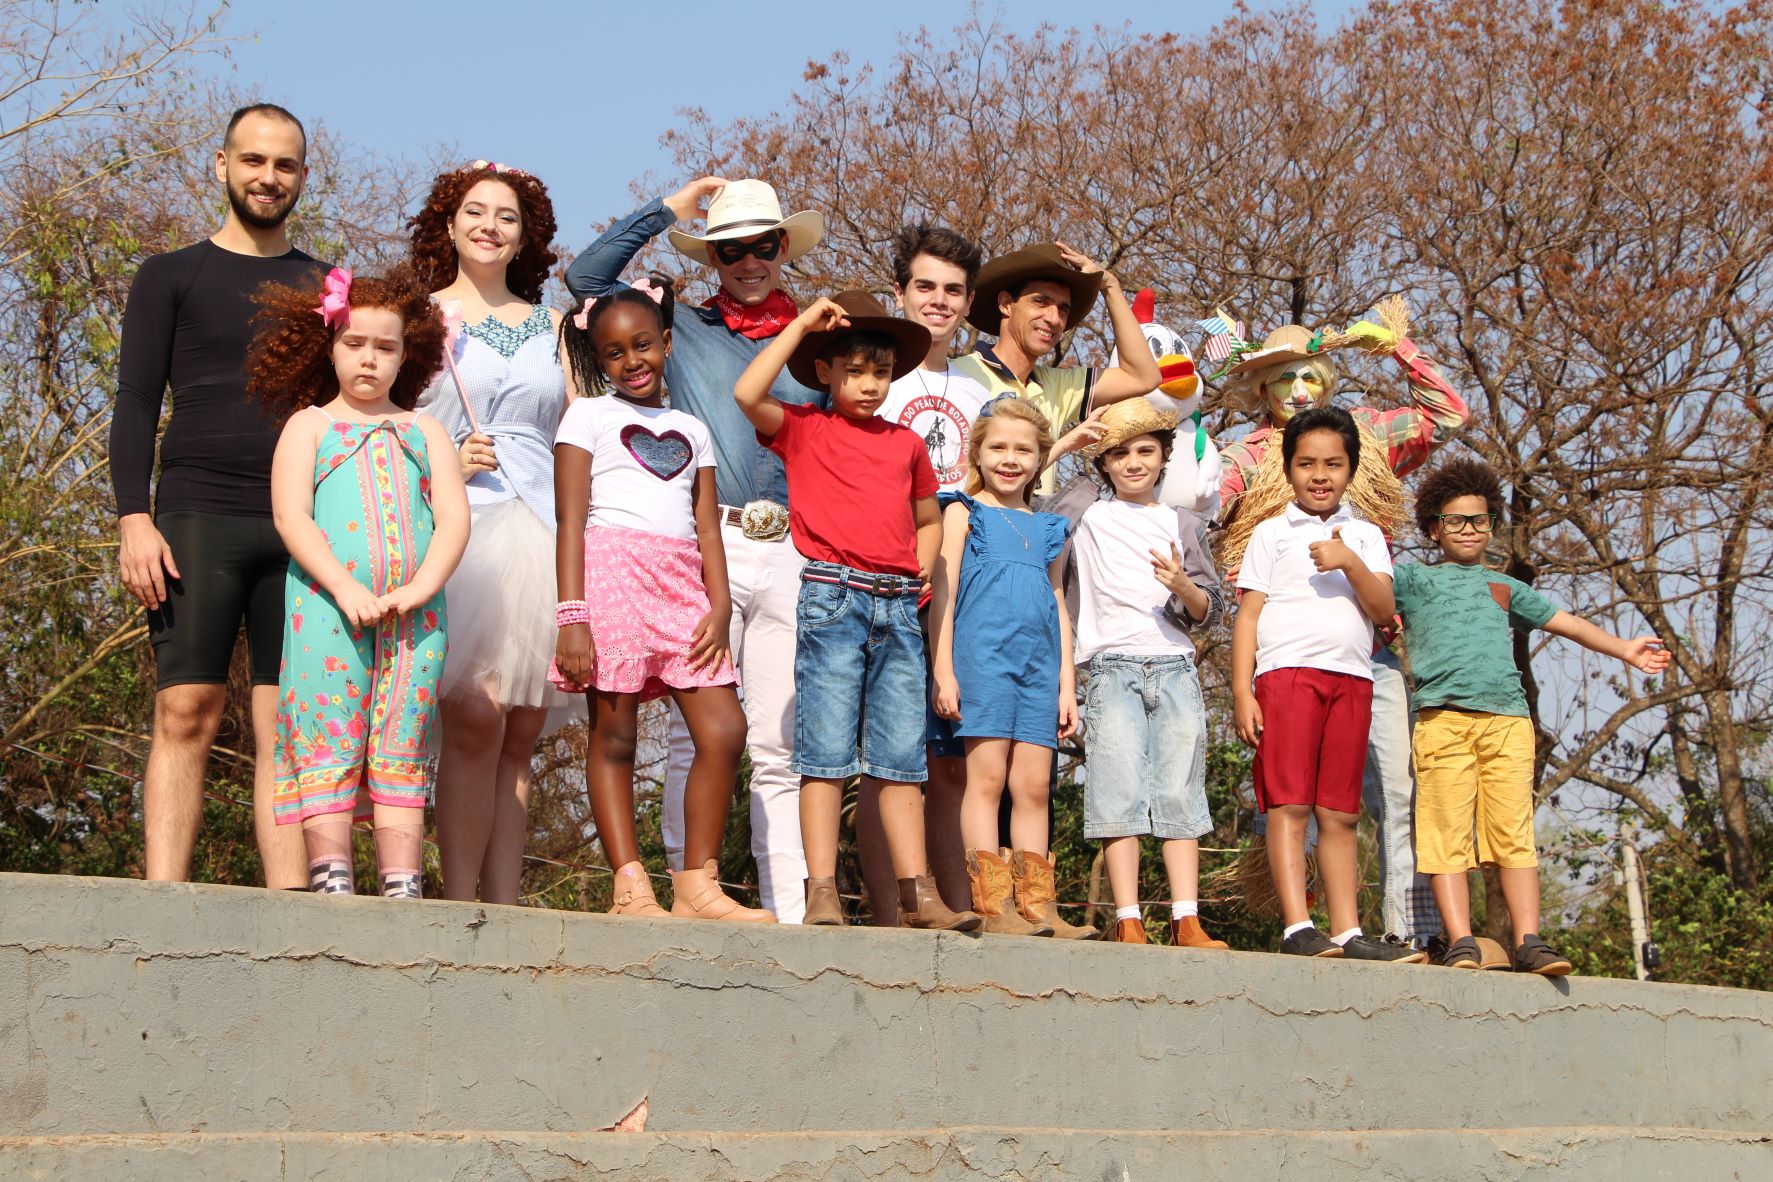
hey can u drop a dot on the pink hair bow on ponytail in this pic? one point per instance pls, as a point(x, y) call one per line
point(335, 299)
point(582, 318)
point(649, 289)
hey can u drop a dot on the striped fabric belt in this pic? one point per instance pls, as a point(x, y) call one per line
point(857, 580)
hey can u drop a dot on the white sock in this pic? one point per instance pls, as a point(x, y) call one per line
point(1121, 913)
point(1344, 937)
point(1183, 908)
point(1297, 927)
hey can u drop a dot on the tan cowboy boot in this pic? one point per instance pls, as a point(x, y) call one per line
point(634, 894)
point(1035, 898)
point(696, 894)
point(1129, 931)
point(921, 906)
point(1187, 933)
point(823, 907)
point(992, 897)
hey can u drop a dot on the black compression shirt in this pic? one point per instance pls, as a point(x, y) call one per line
point(188, 324)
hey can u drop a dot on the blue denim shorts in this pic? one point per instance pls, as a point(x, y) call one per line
point(1145, 744)
point(859, 680)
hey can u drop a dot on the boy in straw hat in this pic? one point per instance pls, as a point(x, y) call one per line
point(1290, 372)
point(1029, 299)
point(748, 240)
point(1146, 580)
point(865, 518)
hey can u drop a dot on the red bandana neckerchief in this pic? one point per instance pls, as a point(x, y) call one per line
point(757, 322)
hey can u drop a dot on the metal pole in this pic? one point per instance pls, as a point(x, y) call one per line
point(1634, 897)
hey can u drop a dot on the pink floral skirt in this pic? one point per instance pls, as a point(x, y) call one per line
point(646, 596)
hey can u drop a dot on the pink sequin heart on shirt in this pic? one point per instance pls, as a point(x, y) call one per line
point(663, 455)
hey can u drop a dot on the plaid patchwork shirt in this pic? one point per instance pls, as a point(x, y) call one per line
point(1410, 433)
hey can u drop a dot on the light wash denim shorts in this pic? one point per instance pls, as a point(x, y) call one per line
point(1145, 744)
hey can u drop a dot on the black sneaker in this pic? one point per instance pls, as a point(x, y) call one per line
point(1389, 948)
point(1534, 955)
point(1460, 954)
point(1310, 942)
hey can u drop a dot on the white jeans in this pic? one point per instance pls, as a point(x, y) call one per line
point(1389, 792)
point(765, 582)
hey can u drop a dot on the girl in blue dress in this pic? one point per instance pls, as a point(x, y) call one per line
point(1003, 673)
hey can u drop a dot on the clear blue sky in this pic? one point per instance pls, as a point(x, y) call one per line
point(580, 94)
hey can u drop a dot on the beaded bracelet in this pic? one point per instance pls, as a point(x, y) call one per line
point(571, 611)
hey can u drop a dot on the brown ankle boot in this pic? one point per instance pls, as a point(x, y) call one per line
point(634, 894)
point(1130, 931)
point(1187, 933)
point(992, 897)
point(1035, 898)
point(696, 894)
point(921, 906)
point(823, 908)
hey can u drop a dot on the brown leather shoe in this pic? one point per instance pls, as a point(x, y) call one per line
point(1130, 931)
point(921, 906)
point(696, 894)
point(1036, 899)
point(1187, 933)
point(990, 876)
point(823, 907)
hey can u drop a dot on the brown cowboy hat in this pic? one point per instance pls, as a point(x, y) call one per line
point(1042, 261)
point(911, 341)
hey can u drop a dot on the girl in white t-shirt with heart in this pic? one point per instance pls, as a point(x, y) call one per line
point(642, 583)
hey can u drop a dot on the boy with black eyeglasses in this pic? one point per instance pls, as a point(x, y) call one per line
point(1473, 740)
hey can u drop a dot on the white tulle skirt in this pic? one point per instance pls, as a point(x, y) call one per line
point(501, 614)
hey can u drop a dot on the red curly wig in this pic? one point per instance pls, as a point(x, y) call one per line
point(434, 252)
point(290, 363)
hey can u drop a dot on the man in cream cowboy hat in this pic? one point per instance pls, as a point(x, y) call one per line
point(747, 241)
point(1029, 299)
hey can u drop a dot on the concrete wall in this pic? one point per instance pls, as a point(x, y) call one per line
point(254, 1019)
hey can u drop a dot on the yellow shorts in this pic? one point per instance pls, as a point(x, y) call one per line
point(1471, 767)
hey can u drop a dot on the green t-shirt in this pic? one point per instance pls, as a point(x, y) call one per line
point(1456, 624)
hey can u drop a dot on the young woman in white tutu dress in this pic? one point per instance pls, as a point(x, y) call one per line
point(483, 242)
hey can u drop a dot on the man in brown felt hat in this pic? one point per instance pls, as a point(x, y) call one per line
point(1029, 299)
point(863, 513)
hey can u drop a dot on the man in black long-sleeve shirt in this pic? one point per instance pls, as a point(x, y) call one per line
point(205, 556)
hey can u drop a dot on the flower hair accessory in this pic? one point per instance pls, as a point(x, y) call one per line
point(335, 299)
point(494, 166)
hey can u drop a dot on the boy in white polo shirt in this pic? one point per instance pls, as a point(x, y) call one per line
point(1315, 581)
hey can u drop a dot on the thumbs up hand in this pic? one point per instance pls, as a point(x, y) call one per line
point(1333, 554)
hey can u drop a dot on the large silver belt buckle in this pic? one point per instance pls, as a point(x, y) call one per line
point(763, 521)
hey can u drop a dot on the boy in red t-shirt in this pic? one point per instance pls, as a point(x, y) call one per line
point(862, 510)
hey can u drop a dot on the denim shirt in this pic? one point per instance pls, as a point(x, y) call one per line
point(705, 363)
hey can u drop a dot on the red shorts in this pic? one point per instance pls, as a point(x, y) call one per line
point(1313, 748)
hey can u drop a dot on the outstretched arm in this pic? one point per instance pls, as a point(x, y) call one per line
point(1643, 653)
point(598, 269)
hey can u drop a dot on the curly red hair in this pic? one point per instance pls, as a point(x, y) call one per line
point(434, 252)
point(290, 363)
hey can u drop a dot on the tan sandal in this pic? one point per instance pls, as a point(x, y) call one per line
point(696, 894)
point(634, 894)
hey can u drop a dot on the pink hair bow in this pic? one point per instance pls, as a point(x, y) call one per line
point(335, 299)
point(646, 287)
point(582, 318)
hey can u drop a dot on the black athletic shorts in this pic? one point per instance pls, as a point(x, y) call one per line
point(231, 571)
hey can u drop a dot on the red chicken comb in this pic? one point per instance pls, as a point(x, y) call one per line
point(1144, 305)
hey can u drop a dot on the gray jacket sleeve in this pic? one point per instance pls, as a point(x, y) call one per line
point(1197, 564)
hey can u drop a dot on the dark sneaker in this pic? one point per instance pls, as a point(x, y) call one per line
point(1536, 956)
point(1310, 942)
point(1389, 948)
point(1460, 954)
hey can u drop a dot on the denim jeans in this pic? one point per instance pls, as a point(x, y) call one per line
point(1146, 752)
point(859, 681)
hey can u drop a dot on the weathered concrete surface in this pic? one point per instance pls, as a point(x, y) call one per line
point(153, 1009)
point(933, 1155)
